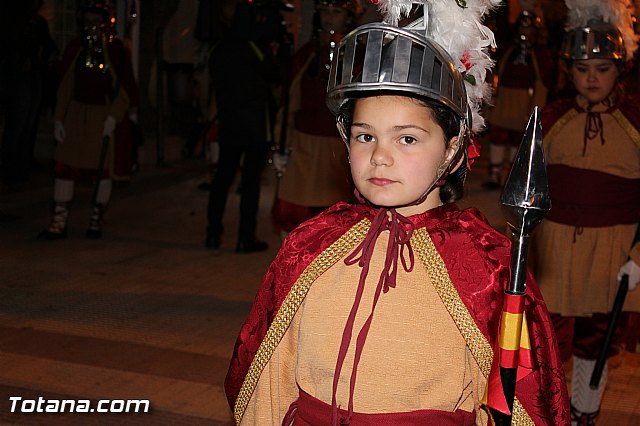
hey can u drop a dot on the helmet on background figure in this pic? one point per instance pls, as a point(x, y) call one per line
point(528, 27)
point(598, 29)
point(597, 40)
point(96, 22)
point(353, 8)
point(100, 7)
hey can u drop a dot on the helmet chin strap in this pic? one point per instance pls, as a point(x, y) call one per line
point(445, 167)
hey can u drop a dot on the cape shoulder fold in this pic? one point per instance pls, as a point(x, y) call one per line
point(299, 251)
point(477, 259)
point(557, 114)
point(467, 262)
point(628, 116)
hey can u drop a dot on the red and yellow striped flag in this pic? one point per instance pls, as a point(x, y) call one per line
point(509, 354)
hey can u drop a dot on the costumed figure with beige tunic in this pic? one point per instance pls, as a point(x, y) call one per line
point(93, 96)
point(314, 168)
point(386, 310)
point(592, 148)
point(525, 72)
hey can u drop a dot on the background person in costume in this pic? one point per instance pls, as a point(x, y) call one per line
point(386, 311)
point(94, 94)
point(593, 155)
point(314, 168)
point(525, 72)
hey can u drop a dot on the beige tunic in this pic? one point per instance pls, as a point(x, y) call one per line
point(83, 124)
point(577, 269)
point(414, 357)
point(318, 172)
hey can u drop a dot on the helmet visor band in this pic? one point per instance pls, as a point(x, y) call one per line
point(379, 57)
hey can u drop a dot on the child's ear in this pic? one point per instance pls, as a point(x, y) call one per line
point(453, 154)
point(450, 161)
point(457, 165)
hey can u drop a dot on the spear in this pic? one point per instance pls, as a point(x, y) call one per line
point(524, 203)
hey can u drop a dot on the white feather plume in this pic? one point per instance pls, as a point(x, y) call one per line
point(615, 12)
point(460, 31)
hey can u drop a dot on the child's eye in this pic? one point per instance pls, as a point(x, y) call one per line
point(604, 69)
point(408, 140)
point(365, 137)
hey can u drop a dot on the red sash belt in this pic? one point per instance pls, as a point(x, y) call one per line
point(313, 412)
point(589, 198)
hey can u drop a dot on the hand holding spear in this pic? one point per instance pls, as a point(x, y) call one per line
point(524, 202)
point(616, 310)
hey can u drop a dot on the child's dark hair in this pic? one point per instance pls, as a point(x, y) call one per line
point(453, 187)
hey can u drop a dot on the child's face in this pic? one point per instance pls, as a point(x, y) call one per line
point(333, 18)
point(594, 78)
point(395, 150)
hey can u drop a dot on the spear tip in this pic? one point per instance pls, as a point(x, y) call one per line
point(525, 197)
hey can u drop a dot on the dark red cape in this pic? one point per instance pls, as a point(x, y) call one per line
point(477, 258)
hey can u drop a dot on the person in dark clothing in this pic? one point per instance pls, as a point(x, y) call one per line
point(27, 49)
point(243, 73)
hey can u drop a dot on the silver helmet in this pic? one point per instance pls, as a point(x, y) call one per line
point(597, 40)
point(380, 57)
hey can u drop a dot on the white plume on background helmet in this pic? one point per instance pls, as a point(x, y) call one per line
point(615, 12)
point(457, 26)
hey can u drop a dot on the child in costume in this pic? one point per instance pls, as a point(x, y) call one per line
point(95, 93)
point(592, 147)
point(386, 311)
point(525, 72)
point(314, 169)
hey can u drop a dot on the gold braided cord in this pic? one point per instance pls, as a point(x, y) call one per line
point(617, 115)
point(476, 341)
point(627, 126)
point(520, 416)
point(437, 270)
point(570, 115)
point(432, 262)
point(290, 305)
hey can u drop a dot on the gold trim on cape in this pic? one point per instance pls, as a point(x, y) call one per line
point(617, 115)
point(568, 116)
point(290, 305)
point(476, 341)
point(435, 267)
point(627, 126)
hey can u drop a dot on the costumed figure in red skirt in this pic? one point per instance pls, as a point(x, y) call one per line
point(525, 73)
point(592, 147)
point(313, 169)
point(95, 92)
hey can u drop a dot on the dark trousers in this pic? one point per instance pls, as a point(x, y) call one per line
point(23, 95)
point(255, 158)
